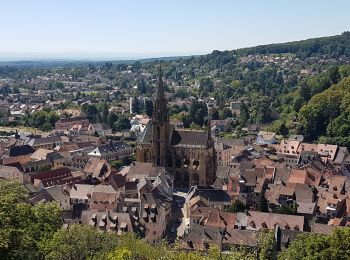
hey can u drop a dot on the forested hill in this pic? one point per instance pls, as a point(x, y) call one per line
point(274, 80)
point(333, 46)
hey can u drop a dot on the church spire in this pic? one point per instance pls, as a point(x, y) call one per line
point(160, 125)
point(160, 91)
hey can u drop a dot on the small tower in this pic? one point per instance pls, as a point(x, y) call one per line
point(160, 126)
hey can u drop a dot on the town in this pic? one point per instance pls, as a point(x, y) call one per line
point(149, 175)
point(177, 130)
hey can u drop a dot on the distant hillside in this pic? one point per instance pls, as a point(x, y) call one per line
point(333, 46)
point(83, 62)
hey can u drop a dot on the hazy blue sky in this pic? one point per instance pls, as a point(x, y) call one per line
point(112, 28)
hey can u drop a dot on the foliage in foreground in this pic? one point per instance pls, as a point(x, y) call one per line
point(314, 246)
point(23, 227)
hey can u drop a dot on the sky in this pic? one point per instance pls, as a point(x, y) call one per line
point(109, 29)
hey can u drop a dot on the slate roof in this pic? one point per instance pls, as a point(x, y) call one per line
point(240, 237)
point(322, 228)
point(54, 156)
point(44, 140)
point(182, 137)
point(20, 150)
point(341, 155)
point(199, 235)
point(146, 136)
point(208, 193)
point(178, 137)
point(57, 193)
point(113, 147)
point(139, 170)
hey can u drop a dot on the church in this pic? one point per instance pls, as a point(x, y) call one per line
point(188, 155)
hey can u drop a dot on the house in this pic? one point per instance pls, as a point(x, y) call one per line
point(36, 165)
point(40, 154)
point(329, 204)
point(138, 124)
point(100, 129)
point(288, 150)
point(264, 138)
point(46, 142)
point(58, 194)
point(344, 212)
point(149, 202)
point(306, 175)
point(65, 124)
point(255, 220)
point(299, 138)
point(19, 154)
point(224, 153)
point(112, 151)
point(11, 173)
point(218, 126)
point(341, 160)
point(211, 217)
point(209, 195)
point(235, 107)
point(107, 220)
point(253, 182)
point(58, 176)
point(138, 170)
point(96, 168)
point(227, 180)
point(251, 129)
point(298, 194)
point(201, 238)
point(81, 194)
point(318, 228)
point(103, 197)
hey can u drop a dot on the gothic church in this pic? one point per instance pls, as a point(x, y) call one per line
point(187, 154)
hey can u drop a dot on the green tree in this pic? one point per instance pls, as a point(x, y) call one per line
point(244, 114)
point(214, 113)
point(266, 245)
point(283, 130)
point(237, 206)
point(23, 227)
point(111, 119)
point(123, 123)
point(198, 112)
point(78, 242)
point(148, 109)
point(135, 105)
point(104, 112)
point(225, 113)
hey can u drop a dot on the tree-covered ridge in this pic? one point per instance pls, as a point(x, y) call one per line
point(334, 46)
